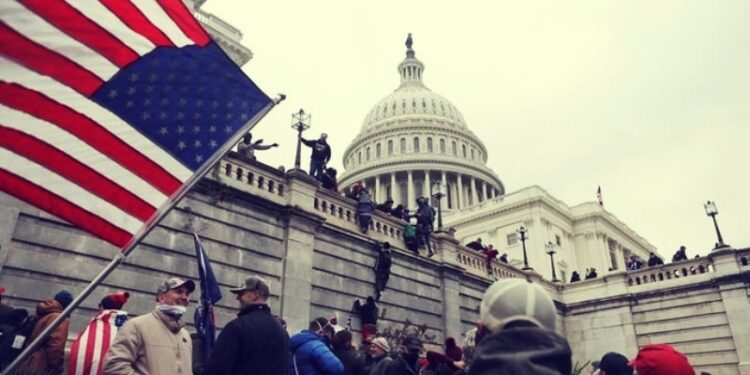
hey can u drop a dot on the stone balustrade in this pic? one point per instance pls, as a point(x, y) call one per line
point(670, 271)
point(253, 178)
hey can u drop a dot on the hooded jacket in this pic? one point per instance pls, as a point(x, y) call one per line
point(47, 358)
point(522, 350)
point(312, 356)
point(321, 151)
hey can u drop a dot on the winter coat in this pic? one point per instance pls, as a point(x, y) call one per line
point(353, 365)
point(151, 344)
point(425, 217)
point(364, 203)
point(379, 365)
point(522, 350)
point(254, 343)
point(312, 356)
point(48, 358)
point(399, 366)
point(321, 151)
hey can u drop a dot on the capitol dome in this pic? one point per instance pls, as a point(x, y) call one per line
point(412, 140)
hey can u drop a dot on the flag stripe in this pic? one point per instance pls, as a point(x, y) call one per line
point(52, 203)
point(59, 162)
point(104, 18)
point(69, 191)
point(44, 61)
point(82, 152)
point(104, 342)
point(95, 135)
point(73, 361)
point(80, 356)
point(135, 20)
point(185, 21)
point(160, 19)
point(70, 21)
point(93, 340)
point(41, 32)
point(12, 72)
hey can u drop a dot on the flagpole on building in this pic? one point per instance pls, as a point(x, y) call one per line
point(142, 233)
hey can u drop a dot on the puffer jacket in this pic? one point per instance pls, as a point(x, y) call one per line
point(522, 350)
point(312, 356)
point(47, 358)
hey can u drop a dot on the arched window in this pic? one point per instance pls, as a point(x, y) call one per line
point(367, 155)
point(472, 154)
point(442, 146)
point(453, 147)
point(463, 149)
point(429, 144)
point(377, 150)
point(416, 144)
point(403, 145)
point(359, 157)
point(390, 147)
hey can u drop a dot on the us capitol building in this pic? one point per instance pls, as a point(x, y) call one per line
point(415, 141)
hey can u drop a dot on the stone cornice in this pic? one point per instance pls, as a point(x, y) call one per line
point(505, 208)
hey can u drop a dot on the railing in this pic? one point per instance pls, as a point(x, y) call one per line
point(253, 178)
point(218, 24)
point(476, 262)
point(670, 271)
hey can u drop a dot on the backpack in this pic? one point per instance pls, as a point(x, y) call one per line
point(15, 328)
point(410, 232)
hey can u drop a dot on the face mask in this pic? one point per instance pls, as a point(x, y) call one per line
point(173, 310)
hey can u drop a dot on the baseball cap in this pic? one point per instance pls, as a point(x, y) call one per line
point(412, 342)
point(252, 283)
point(661, 359)
point(511, 300)
point(615, 364)
point(175, 282)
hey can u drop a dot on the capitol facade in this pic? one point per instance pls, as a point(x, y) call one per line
point(414, 139)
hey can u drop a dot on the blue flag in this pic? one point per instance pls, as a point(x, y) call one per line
point(205, 322)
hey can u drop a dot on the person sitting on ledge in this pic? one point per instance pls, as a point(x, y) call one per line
point(654, 260)
point(476, 245)
point(575, 277)
point(328, 180)
point(591, 274)
point(635, 263)
point(680, 255)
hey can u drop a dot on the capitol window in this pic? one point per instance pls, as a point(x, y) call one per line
point(429, 144)
point(377, 150)
point(463, 148)
point(367, 154)
point(359, 157)
point(512, 239)
point(416, 144)
point(442, 146)
point(403, 145)
point(390, 147)
point(453, 144)
point(472, 154)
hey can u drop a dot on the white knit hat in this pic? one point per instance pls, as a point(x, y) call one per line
point(509, 300)
point(381, 343)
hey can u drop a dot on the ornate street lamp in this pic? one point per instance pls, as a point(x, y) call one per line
point(437, 189)
point(523, 235)
point(551, 252)
point(300, 123)
point(712, 211)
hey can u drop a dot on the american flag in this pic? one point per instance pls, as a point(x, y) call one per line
point(108, 109)
point(89, 349)
point(599, 196)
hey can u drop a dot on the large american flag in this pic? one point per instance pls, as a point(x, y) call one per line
point(89, 349)
point(108, 108)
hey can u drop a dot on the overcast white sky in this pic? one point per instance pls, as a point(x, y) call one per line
point(650, 100)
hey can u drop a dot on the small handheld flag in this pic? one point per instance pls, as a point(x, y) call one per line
point(205, 321)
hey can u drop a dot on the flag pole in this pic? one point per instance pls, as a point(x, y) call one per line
point(142, 233)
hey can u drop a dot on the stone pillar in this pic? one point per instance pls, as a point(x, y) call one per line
point(395, 195)
point(460, 195)
point(409, 190)
point(444, 183)
point(492, 192)
point(296, 283)
point(734, 297)
point(377, 189)
point(484, 191)
point(451, 288)
point(427, 184)
point(474, 199)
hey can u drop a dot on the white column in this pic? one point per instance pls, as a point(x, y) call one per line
point(444, 183)
point(427, 184)
point(409, 190)
point(474, 199)
point(492, 192)
point(460, 194)
point(377, 189)
point(484, 190)
point(395, 195)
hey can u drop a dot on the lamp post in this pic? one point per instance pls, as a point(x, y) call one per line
point(523, 235)
point(712, 211)
point(551, 253)
point(300, 123)
point(438, 194)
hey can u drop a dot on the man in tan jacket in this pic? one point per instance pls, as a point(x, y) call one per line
point(155, 343)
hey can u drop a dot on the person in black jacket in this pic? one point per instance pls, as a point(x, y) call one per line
point(368, 315)
point(321, 154)
point(342, 348)
point(255, 342)
point(406, 361)
point(382, 268)
point(654, 260)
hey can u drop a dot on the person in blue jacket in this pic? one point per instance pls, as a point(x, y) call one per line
point(310, 353)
